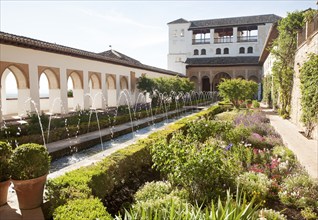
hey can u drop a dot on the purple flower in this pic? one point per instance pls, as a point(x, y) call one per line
point(228, 147)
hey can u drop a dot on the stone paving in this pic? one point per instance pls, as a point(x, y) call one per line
point(306, 150)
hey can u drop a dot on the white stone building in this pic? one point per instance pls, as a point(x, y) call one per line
point(98, 78)
point(208, 50)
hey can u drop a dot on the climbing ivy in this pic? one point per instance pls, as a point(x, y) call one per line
point(284, 48)
point(267, 90)
point(309, 93)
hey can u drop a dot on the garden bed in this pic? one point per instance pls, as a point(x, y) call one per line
point(200, 160)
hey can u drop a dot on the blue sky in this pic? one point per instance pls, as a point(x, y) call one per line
point(136, 28)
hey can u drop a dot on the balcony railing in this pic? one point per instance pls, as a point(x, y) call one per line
point(246, 38)
point(201, 41)
point(221, 40)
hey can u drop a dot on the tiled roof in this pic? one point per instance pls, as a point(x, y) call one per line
point(107, 56)
point(222, 61)
point(179, 21)
point(119, 56)
point(234, 21)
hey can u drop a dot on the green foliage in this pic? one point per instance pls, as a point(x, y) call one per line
point(114, 170)
point(237, 90)
point(201, 130)
point(153, 190)
point(299, 190)
point(5, 154)
point(164, 85)
point(175, 209)
point(111, 172)
point(309, 214)
point(70, 93)
point(267, 90)
point(309, 93)
point(284, 48)
point(82, 209)
point(255, 104)
point(271, 214)
point(196, 166)
point(29, 161)
point(256, 185)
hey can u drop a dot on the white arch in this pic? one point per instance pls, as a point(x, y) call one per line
point(123, 83)
point(16, 105)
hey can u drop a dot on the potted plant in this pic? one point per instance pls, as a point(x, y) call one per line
point(5, 154)
point(29, 165)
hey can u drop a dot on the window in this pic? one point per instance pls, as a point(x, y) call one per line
point(196, 52)
point(182, 33)
point(201, 36)
point(174, 33)
point(223, 35)
point(250, 50)
point(247, 34)
point(218, 51)
point(226, 50)
point(203, 52)
point(242, 50)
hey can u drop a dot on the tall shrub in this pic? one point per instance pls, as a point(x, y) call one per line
point(284, 48)
point(237, 90)
point(309, 93)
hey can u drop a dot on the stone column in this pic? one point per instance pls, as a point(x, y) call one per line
point(34, 89)
point(234, 34)
point(200, 81)
point(104, 90)
point(211, 36)
point(63, 91)
point(86, 94)
point(118, 90)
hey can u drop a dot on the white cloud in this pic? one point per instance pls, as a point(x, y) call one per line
point(117, 17)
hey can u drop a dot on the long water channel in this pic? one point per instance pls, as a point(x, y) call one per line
point(69, 162)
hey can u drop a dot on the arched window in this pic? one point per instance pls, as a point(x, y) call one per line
point(196, 52)
point(226, 50)
point(250, 50)
point(218, 51)
point(203, 52)
point(242, 50)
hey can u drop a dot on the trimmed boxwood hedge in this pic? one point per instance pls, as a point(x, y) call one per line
point(100, 179)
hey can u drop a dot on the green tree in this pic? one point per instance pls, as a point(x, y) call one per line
point(284, 48)
point(164, 85)
point(309, 93)
point(237, 90)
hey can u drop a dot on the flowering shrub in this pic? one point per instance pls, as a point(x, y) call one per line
point(153, 190)
point(270, 214)
point(251, 118)
point(255, 185)
point(196, 166)
point(309, 214)
point(299, 190)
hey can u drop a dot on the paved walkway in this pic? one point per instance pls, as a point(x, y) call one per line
point(306, 150)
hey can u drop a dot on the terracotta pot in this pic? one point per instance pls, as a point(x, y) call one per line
point(30, 192)
point(4, 186)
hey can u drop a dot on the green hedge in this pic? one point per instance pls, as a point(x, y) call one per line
point(82, 209)
point(100, 179)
